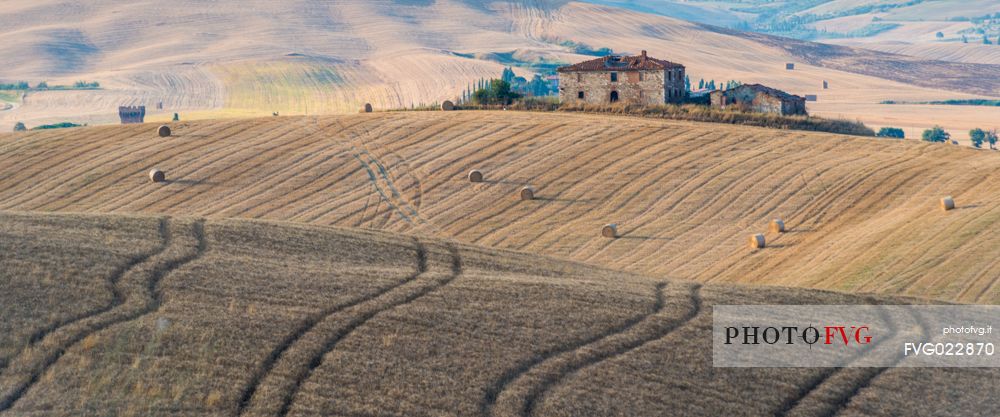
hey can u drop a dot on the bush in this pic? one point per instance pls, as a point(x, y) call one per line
point(84, 84)
point(731, 116)
point(62, 125)
point(20, 85)
point(42, 86)
point(891, 132)
point(936, 134)
point(19, 127)
point(978, 136)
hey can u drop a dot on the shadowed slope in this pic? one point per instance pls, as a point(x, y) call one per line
point(540, 336)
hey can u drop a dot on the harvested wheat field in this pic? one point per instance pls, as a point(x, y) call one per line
point(185, 316)
point(862, 214)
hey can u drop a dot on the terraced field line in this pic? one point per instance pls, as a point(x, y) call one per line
point(95, 188)
point(518, 391)
point(153, 269)
point(206, 159)
point(277, 355)
point(50, 184)
point(337, 328)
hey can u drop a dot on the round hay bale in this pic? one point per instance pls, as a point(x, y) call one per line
point(447, 105)
point(947, 203)
point(757, 241)
point(610, 231)
point(777, 226)
point(475, 176)
point(163, 131)
point(527, 193)
point(368, 108)
point(157, 176)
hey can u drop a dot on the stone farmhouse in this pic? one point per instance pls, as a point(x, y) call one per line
point(759, 98)
point(631, 79)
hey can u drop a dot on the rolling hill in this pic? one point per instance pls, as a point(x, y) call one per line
point(308, 57)
point(162, 316)
point(863, 212)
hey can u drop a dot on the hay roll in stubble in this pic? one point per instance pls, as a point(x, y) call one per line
point(777, 226)
point(156, 175)
point(447, 106)
point(757, 241)
point(527, 193)
point(610, 231)
point(947, 203)
point(367, 108)
point(475, 176)
point(163, 131)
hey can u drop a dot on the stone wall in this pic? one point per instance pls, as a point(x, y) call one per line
point(639, 87)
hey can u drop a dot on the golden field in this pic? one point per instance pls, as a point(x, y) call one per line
point(862, 212)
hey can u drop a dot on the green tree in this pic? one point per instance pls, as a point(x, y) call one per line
point(19, 127)
point(701, 84)
point(891, 132)
point(687, 83)
point(711, 85)
point(42, 85)
point(508, 75)
point(495, 92)
point(986, 41)
point(936, 134)
point(177, 117)
point(991, 138)
point(978, 136)
point(965, 39)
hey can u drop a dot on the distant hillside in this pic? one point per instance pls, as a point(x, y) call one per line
point(257, 57)
point(158, 316)
point(862, 213)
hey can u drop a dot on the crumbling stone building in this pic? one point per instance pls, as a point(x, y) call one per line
point(132, 114)
point(759, 98)
point(629, 79)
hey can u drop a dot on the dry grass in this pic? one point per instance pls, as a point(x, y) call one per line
point(264, 319)
point(689, 193)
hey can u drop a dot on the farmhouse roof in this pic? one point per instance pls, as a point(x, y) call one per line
point(621, 63)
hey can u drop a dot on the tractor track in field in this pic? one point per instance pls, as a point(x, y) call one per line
point(330, 330)
point(151, 270)
point(519, 391)
point(826, 381)
point(310, 324)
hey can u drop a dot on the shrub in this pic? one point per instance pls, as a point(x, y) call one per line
point(891, 132)
point(731, 116)
point(20, 85)
point(84, 84)
point(19, 127)
point(62, 125)
point(936, 134)
point(978, 136)
point(42, 85)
